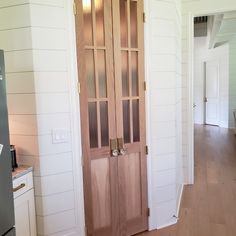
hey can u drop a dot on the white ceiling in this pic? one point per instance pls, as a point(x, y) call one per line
point(226, 29)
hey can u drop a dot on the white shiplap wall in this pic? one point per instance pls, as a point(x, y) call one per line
point(163, 56)
point(191, 8)
point(55, 196)
point(35, 36)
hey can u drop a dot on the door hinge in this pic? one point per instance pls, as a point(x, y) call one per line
point(146, 150)
point(78, 87)
point(74, 8)
point(144, 17)
point(82, 160)
point(145, 86)
point(148, 212)
point(86, 230)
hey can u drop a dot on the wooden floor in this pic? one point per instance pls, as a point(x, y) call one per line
point(208, 207)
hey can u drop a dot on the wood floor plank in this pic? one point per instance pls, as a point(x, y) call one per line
point(209, 206)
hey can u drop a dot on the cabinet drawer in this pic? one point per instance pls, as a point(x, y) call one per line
point(22, 184)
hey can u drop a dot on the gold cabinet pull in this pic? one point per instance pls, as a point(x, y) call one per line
point(18, 188)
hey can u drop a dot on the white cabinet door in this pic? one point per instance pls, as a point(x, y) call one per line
point(25, 214)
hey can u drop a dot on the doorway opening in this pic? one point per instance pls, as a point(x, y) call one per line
point(213, 92)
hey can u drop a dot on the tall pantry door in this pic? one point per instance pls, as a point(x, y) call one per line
point(110, 65)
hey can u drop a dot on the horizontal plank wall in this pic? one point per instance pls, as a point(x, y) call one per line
point(192, 7)
point(163, 45)
point(15, 40)
point(54, 177)
point(179, 95)
point(36, 44)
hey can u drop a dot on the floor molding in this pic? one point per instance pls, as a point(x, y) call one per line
point(173, 222)
point(179, 198)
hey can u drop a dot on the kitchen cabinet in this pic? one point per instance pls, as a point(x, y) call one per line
point(25, 220)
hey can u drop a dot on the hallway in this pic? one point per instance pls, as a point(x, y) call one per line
point(209, 206)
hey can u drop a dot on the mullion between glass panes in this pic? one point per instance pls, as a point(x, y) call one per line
point(96, 74)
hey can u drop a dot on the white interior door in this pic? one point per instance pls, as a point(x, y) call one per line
point(212, 93)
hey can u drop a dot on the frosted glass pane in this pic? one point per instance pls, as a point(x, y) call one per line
point(88, 32)
point(102, 73)
point(90, 73)
point(125, 74)
point(104, 123)
point(123, 23)
point(126, 121)
point(133, 24)
point(134, 72)
point(93, 128)
point(136, 135)
point(99, 8)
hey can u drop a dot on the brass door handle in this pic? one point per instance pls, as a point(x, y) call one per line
point(115, 152)
point(121, 148)
point(117, 147)
point(18, 187)
point(114, 148)
point(122, 152)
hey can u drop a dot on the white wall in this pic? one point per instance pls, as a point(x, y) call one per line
point(189, 9)
point(163, 57)
point(232, 81)
point(35, 37)
point(54, 177)
point(221, 56)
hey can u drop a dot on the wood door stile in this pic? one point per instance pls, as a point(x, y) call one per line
point(142, 121)
point(84, 116)
point(114, 167)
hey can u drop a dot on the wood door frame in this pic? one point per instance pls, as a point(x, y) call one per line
point(76, 117)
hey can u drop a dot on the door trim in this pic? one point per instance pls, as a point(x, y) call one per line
point(75, 123)
point(147, 63)
point(204, 92)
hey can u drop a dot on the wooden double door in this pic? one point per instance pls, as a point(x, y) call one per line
point(110, 65)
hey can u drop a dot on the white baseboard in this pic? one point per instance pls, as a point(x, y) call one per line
point(173, 222)
point(179, 198)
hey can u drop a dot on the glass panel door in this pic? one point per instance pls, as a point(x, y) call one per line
point(110, 66)
point(130, 107)
point(96, 75)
